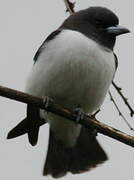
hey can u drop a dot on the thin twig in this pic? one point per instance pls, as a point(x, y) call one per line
point(69, 6)
point(69, 114)
point(124, 98)
point(120, 113)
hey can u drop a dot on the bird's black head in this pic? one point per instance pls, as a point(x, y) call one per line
point(97, 23)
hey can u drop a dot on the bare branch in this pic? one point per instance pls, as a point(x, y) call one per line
point(69, 114)
point(69, 6)
point(120, 113)
point(118, 89)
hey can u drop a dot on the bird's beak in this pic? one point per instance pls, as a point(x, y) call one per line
point(117, 30)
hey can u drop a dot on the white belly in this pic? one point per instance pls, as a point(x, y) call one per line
point(74, 71)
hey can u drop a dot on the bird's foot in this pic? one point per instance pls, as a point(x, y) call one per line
point(95, 131)
point(47, 100)
point(80, 114)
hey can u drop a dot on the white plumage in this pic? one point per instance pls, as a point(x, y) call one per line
point(76, 72)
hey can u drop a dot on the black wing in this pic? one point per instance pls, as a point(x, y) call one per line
point(116, 61)
point(116, 64)
point(49, 38)
point(22, 128)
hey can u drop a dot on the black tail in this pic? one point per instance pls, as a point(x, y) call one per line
point(86, 154)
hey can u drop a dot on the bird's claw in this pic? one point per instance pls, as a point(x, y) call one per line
point(80, 114)
point(47, 100)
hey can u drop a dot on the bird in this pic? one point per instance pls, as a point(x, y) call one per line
point(74, 66)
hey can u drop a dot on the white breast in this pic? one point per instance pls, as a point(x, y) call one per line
point(74, 71)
